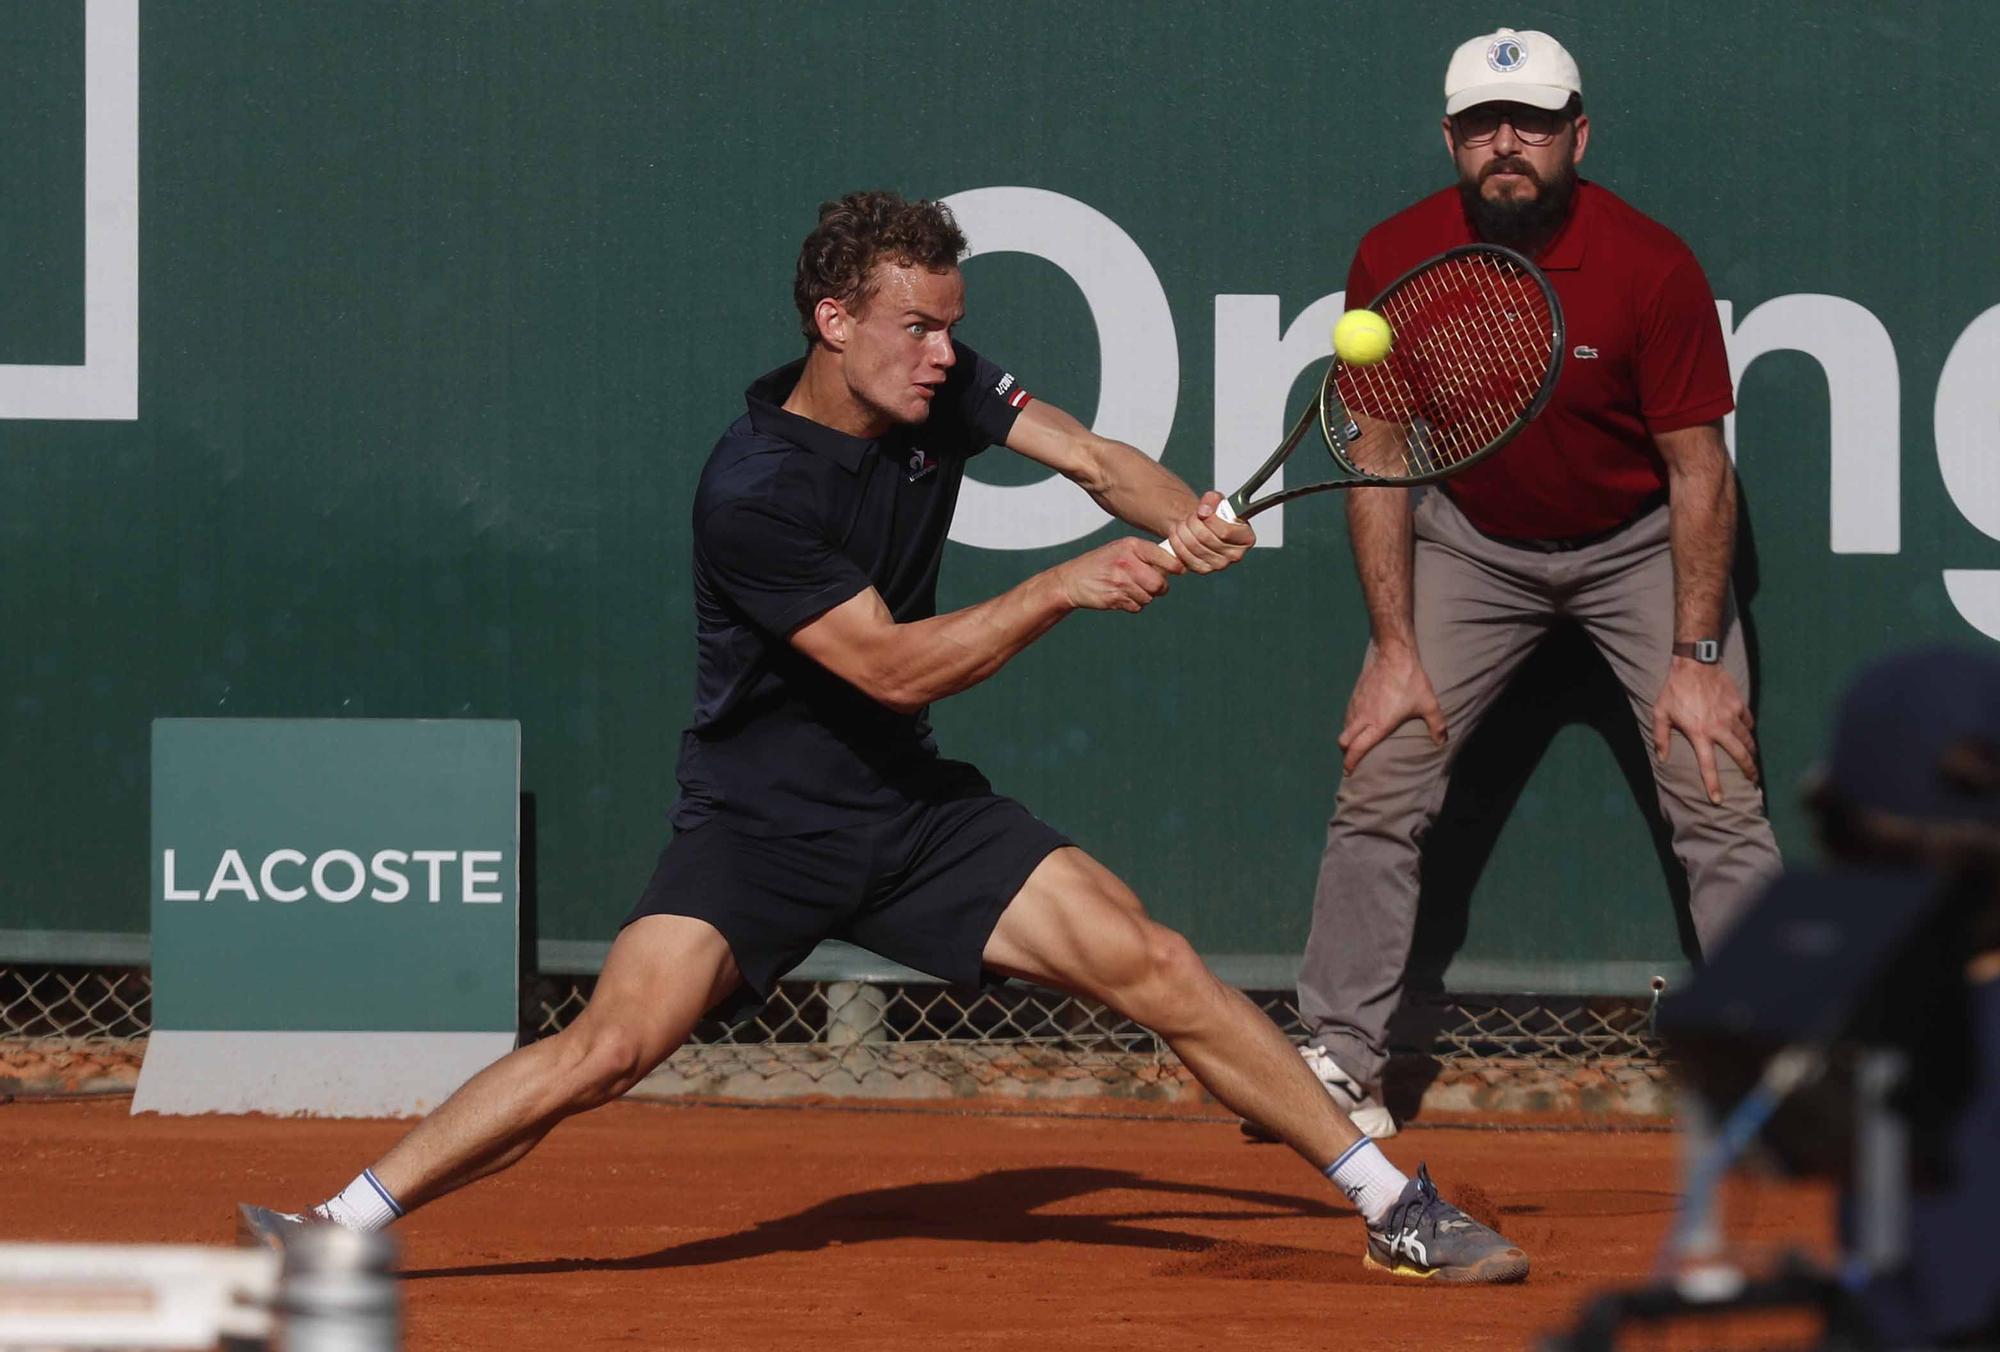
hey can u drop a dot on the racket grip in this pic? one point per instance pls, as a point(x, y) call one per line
point(1223, 512)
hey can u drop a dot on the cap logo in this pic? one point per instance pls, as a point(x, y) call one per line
point(1506, 55)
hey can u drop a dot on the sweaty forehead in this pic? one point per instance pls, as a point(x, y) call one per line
point(900, 287)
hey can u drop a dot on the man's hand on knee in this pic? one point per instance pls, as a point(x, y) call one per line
point(1391, 690)
point(1702, 701)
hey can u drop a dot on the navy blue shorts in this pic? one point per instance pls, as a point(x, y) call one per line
point(923, 886)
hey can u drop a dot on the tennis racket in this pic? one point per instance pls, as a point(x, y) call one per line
point(1477, 346)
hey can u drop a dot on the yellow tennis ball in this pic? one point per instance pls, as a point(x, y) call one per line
point(1361, 338)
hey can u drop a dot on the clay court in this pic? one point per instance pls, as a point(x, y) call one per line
point(869, 1226)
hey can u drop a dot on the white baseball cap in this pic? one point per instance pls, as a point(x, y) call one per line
point(1509, 67)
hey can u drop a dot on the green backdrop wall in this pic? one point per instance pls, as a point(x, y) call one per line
point(438, 308)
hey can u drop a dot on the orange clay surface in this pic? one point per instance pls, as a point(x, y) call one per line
point(833, 1227)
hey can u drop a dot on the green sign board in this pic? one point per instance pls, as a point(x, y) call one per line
point(337, 877)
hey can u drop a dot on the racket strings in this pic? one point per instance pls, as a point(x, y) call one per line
point(1465, 376)
point(1473, 341)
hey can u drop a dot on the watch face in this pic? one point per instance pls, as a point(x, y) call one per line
point(1707, 650)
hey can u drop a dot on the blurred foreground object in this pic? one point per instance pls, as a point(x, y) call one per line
point(329, 1290)
point(1851, 1025)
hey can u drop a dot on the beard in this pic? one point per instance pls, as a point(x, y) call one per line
point(1519, 222)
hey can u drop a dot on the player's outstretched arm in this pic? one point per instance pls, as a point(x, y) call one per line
point(906, 666)
point(1132, 486)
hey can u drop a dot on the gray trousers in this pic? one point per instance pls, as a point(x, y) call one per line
point(1480, 608)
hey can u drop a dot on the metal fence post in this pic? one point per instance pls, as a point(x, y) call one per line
point(856, 1012)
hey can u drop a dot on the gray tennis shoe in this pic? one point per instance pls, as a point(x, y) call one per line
point(1426, 1237)
point(259, 1226)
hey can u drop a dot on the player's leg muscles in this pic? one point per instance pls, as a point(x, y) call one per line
point(663, 973)
point(1076, 926)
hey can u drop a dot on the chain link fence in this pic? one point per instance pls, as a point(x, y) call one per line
point(72, 1028)
point(83, 1029)
point(1453, 1053)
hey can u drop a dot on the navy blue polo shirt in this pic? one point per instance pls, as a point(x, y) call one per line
point(791, 518)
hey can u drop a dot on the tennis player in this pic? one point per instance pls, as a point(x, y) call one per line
point(814, 803)
point(1614, 510)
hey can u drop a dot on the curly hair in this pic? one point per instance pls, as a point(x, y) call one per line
point(858, 231)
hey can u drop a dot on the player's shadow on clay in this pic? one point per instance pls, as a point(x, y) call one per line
point(1009, 1206)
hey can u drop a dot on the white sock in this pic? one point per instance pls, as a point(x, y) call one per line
point(363, 1205)
point(1373, 1184)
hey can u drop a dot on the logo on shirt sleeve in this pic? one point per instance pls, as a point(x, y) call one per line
point(920, 463)
point(1018, 399)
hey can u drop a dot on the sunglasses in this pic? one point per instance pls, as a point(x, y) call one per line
point(1532, 126)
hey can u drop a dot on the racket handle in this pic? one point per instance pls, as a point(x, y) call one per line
point(1223, 512)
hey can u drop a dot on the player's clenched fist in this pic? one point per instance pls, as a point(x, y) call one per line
point(1123, 575)
point(1208, 543)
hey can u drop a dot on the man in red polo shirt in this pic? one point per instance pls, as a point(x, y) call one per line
point(1616, 510)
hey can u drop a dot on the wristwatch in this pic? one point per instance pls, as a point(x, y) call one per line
point(1705, 650)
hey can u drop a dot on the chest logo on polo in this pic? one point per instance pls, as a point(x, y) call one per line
point(920, 463)
point(1584, 352)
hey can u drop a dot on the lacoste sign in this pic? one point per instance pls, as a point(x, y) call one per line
point(335, 912)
